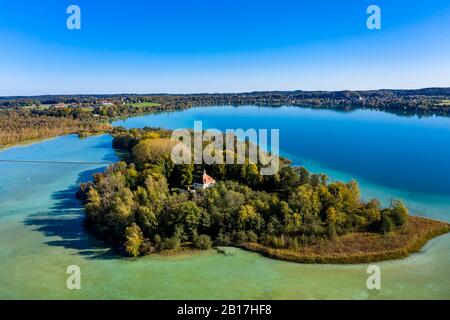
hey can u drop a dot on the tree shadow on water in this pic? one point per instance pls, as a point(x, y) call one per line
point(63, 224)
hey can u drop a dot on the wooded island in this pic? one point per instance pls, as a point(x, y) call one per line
point(144, 205)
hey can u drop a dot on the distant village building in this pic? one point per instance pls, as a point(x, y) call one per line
point(106, 103)
point(205, 182)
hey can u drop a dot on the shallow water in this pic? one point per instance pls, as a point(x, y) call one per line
point(41, 227)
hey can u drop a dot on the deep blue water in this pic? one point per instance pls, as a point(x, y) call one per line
point(411, 154)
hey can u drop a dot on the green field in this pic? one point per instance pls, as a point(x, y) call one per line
point(143, 104)
point(40, 107)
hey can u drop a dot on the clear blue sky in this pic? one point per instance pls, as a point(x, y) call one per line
point(221, 46)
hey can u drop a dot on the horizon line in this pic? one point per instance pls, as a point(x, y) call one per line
point(215, 93)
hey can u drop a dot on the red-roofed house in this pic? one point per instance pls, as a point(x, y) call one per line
point(205, 182)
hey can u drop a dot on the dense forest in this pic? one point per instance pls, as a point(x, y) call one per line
point(142, 205)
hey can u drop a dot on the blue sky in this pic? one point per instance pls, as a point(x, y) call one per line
point(221, 46)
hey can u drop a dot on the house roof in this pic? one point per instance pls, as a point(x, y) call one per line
point(206, 179)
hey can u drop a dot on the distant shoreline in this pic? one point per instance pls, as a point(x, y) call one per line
point(53, 115)
point(417, 91)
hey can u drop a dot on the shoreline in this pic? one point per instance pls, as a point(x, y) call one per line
point(30, 142)
point(38, 140)
point(433, 229)
point(427, 229)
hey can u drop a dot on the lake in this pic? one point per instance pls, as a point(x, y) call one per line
point(41, 230)
point(390, 155)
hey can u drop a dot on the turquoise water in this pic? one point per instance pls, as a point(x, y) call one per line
point(41, 229)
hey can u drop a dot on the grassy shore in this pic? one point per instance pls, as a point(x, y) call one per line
point(361, 247)
point(144, 104)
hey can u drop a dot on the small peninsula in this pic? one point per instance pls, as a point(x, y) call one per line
point(144, 205)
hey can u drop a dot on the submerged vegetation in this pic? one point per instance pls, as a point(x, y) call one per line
point(143, 205)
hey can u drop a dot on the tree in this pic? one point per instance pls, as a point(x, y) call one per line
point(399, 213)
point(233, 200)
point(305, 201)
point(202, 242)
point(331, 215)
point(152, 151)
point(193, 218)
point(246, 214)
point(183, 218)
point(251, 175)
point(372, 211)
point(172, 243)
point(286, 178)
point(134, 240)
point(146, 219)
point(293, 223)
point(304, 175)
point(182, 175)
point(386, 224)
point(315, 180)
point(131, 175)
